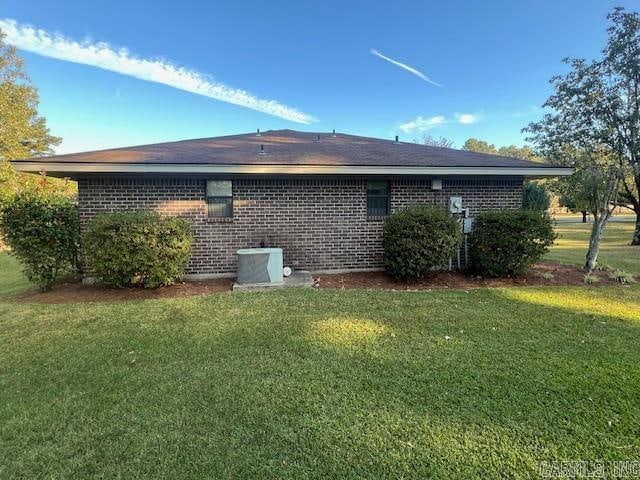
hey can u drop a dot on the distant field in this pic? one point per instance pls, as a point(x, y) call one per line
point(577, 217)
point(571, 246)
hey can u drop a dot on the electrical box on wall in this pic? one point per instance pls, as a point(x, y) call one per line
point(467, 225)
point(455, 204)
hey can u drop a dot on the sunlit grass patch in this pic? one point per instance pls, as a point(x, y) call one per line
point(348, 332)
point(580, 300)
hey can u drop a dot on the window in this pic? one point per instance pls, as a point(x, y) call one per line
point(377, 199)
point(220, 198)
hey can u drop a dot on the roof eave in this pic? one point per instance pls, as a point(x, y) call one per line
point(78, 168)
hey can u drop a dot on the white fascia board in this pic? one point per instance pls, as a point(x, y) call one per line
point(176, 168)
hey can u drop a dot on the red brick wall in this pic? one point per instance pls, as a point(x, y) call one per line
point(321, 224)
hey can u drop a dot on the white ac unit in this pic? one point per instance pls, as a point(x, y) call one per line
point(259, 266)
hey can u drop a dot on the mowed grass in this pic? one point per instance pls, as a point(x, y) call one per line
point(615, 251)
point(305, 384)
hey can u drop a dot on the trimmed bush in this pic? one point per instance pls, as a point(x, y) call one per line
point(419, 239)
point(43, 232)
point(141, 249)
point(509, 242)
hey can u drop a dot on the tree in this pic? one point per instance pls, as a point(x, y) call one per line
point(434, 142)
point(23, 133)
point(617, 112)
point(596, 183)
point(535, 197)
point(475, 145)
point(575, 204)
point(571, 195)
point(568, 136)
point(598, 105)
point(525, 152)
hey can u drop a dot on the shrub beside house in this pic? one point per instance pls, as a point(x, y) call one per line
point(419, 239)
point(509, 242)
point(43, 231)
point(137, 249)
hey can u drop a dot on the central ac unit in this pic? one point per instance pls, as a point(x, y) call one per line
point(259, 265)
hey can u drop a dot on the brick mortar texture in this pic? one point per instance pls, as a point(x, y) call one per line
point(321, 224)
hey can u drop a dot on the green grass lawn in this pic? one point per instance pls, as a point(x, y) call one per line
point(615, 253)
point(318, 383)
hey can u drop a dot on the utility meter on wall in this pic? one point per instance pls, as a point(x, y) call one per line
point(455, 204)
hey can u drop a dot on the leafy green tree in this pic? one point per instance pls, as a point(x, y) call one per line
point(571, 195)
point(23, 133)
point(535, 197)
point(475, 145)
point(525, 152)
point(595, 184)
point(595, 124)
point(615, 117)
point(597, 109)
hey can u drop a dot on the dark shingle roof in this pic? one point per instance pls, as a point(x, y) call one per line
point(289, 147)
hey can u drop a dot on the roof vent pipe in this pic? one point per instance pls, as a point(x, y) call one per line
point(262, 152)
point(334, 133)
point(396, 139)
point(318, 138)
point(258, 133)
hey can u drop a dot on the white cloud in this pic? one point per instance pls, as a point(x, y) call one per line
point(466, 118)
point(421, 124)
point(404, 66)
point(102, 55)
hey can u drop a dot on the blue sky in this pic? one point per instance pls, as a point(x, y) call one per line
point(300, 65)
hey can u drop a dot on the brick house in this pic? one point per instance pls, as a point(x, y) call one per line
point(321, 197)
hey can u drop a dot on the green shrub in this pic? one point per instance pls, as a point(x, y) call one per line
point(43, 232)
point(418, 239)
point(137, 248)
point(535, 197)
point(509, 242)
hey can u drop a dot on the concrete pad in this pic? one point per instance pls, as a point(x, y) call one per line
point(298, 279)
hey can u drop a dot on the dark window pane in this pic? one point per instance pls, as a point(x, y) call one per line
point(377, 188)
point(377, 199)
point(220, 198)
point(377, 206)
point(220, 207)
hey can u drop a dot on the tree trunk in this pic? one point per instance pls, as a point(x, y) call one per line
point(584, 216)
point(594, 242)
point(636, 233)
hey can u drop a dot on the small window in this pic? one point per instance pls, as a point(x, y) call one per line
point(377, 199)
point(220, 198)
